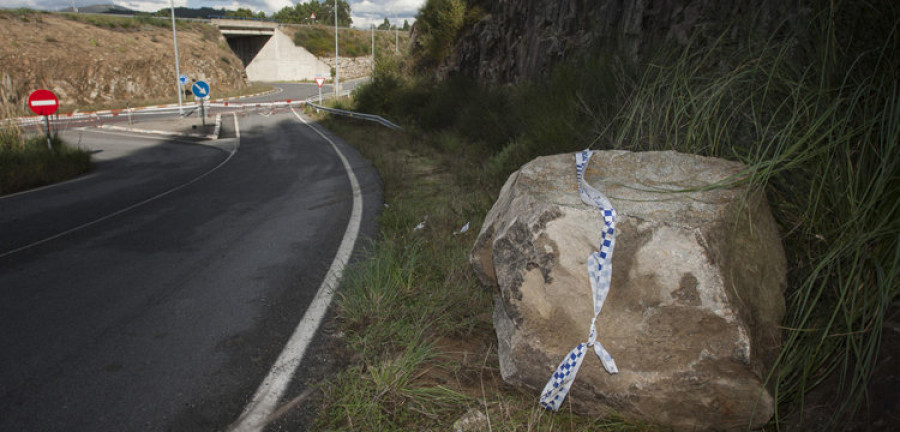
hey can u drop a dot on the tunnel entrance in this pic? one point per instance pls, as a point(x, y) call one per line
point(267, 53)
point(247, 47)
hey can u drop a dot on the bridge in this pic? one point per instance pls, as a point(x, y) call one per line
point(267, 53)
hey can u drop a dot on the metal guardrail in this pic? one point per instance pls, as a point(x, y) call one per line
point(377, 119)
point(310, 101)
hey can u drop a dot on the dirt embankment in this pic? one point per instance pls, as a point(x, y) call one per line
point(96, 61)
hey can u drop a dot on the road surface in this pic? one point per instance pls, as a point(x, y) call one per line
point(156, 292)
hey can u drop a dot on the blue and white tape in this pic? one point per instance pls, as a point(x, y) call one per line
point(599, 266)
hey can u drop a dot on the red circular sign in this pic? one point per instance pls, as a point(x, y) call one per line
point(43, 102)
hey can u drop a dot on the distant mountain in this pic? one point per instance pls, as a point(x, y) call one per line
point(103, 8)
point(183, 12)
point(180, 12)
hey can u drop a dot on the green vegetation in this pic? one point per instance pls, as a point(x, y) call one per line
point(319, 40)
point(439, 22)
point(815, 117)
point(413, 314)
point(302, 13)
point(26, 162)
point(23, 14)
point(245, 13)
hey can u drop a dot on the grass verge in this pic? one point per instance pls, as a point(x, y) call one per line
point(416, 320)
point(816, 118)
point(27, 162)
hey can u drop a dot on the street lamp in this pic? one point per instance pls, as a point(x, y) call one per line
point(373, 50)
point(177, 69)
point(336, 81)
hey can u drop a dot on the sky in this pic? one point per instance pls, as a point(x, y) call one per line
point(364, 12)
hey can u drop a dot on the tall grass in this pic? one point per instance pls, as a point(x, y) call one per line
point(815, 116)
point(27, 162)
point(819, 128)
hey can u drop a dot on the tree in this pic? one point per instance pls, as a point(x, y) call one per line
point(327, 16)
point(386, 25)
point(405, 26)
point(241, 13)
point(323, 10)
point(438, 23)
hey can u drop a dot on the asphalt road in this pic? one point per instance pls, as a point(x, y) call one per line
point(182, 269)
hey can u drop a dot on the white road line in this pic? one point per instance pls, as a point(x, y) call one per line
point(132, 207)
point(256, 414)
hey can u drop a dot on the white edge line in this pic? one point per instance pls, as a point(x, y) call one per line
point(131, 207)
point(271, 389)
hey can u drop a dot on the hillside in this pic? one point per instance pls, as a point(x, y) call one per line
point(96, 60)
point(319, 40)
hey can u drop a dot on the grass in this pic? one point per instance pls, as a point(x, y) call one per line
point(26, 161)
point(823, 140)
point(319, 40)
point(414, 316)
point(816, 119)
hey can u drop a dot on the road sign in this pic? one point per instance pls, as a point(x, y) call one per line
point(320, 81)
point(200, 89)
point(182, 79)
point(312, 16)
point(43, 102)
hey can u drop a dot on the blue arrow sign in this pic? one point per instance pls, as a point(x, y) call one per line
point(200, 89)
point(182, 79)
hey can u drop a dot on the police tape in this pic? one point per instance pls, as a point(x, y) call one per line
point(599, 265)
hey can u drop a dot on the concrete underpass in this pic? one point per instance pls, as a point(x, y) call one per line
point(268, 54)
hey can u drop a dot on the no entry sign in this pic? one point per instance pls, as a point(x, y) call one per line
point(43, 102)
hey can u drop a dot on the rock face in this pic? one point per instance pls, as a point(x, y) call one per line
point(88, 64)
point(696, 296)
point(521, 39)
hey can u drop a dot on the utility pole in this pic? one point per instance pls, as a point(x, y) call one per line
point(177, 69)
point(336, 81)
point(373, 50)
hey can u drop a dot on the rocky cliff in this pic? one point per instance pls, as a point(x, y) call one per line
point(522, 39)
point(108, 60)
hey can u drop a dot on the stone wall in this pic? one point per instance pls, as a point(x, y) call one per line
point(351, 67)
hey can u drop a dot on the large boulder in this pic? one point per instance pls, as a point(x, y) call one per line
point(697, 287)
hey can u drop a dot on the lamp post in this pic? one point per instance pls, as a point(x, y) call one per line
point(336, 80)
point(177, 69)
point(373, 50)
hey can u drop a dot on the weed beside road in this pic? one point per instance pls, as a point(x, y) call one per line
point(27, 162)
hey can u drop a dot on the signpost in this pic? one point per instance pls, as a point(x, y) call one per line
point(44, 102)
point(320, 81)
point(201, 91)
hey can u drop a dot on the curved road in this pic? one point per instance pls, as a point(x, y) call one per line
point(182, 270)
